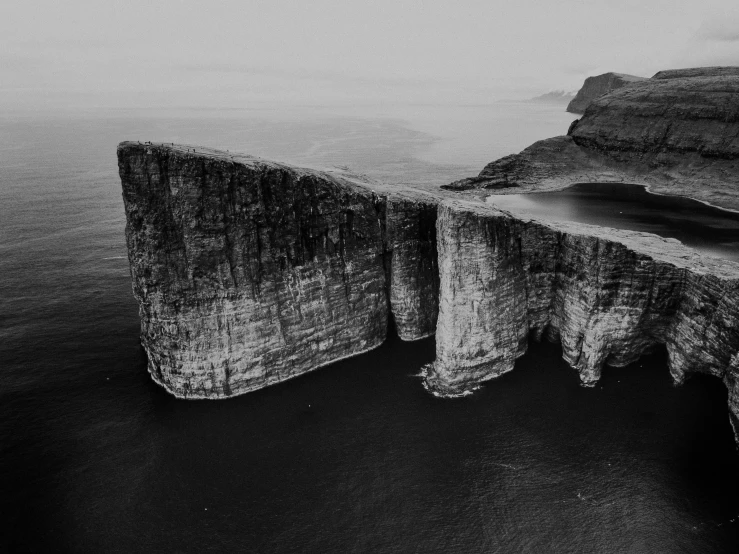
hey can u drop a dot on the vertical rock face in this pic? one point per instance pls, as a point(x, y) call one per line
point(608, 296)
point(716, 71)
point(414, 276)
point(597, 86)
point(482, 326)
point(249, 272)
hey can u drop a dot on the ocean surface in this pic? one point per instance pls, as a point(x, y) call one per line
point(355, 457)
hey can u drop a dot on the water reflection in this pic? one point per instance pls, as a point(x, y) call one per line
point(707, 229)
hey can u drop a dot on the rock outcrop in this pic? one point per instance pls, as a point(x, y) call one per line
point(718, 71)
point(677, 135)
point(595, 87)
point(249, 272)
point(607, 295)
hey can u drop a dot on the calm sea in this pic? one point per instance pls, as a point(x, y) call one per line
point(356, 457)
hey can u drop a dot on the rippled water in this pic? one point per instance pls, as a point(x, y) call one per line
point(356, 457)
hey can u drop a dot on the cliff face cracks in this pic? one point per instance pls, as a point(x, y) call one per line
point(248, 272)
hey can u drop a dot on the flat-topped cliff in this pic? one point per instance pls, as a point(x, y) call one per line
point(687, 115)
point(249, 272)
point(717, 71)
point(606, 295)
point(595, 87)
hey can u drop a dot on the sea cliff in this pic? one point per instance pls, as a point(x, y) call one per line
point(607, 295)
point(250, 272)
point(677, 133)
point(597, 86)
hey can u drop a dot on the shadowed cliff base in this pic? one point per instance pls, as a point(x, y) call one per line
point(250, 272)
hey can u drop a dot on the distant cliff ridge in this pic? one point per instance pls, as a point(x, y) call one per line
point(249, 272)
point(554, 97)
point(595, 87)
point(679, 135)
point(719, 71)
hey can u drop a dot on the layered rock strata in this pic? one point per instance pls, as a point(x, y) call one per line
point(607, 295)
point(717, 71)
point(249, 272)
point(595, 87)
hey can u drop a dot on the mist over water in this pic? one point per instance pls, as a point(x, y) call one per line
point(355, 457)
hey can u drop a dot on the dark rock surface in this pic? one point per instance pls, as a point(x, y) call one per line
point(595, 87)
point(607, 295)
point(249, 272)
point(676, 115)
point(678, 136)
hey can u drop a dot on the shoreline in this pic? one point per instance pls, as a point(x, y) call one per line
point(647, 188)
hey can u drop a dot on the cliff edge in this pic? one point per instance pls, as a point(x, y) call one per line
point(678, 134)
point(249, 272)
point(595, 87)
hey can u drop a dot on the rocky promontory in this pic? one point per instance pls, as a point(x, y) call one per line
point(249, 272)
point(678, 135)
point(595, 87)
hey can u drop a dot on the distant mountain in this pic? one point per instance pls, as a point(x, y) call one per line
point(554, 97)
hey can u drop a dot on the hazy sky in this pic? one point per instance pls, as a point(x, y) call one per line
point(241, 53)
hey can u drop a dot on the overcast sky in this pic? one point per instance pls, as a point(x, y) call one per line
point(242, 53)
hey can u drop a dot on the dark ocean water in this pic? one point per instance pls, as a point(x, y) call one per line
point(355, 457)
point(702, 227)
